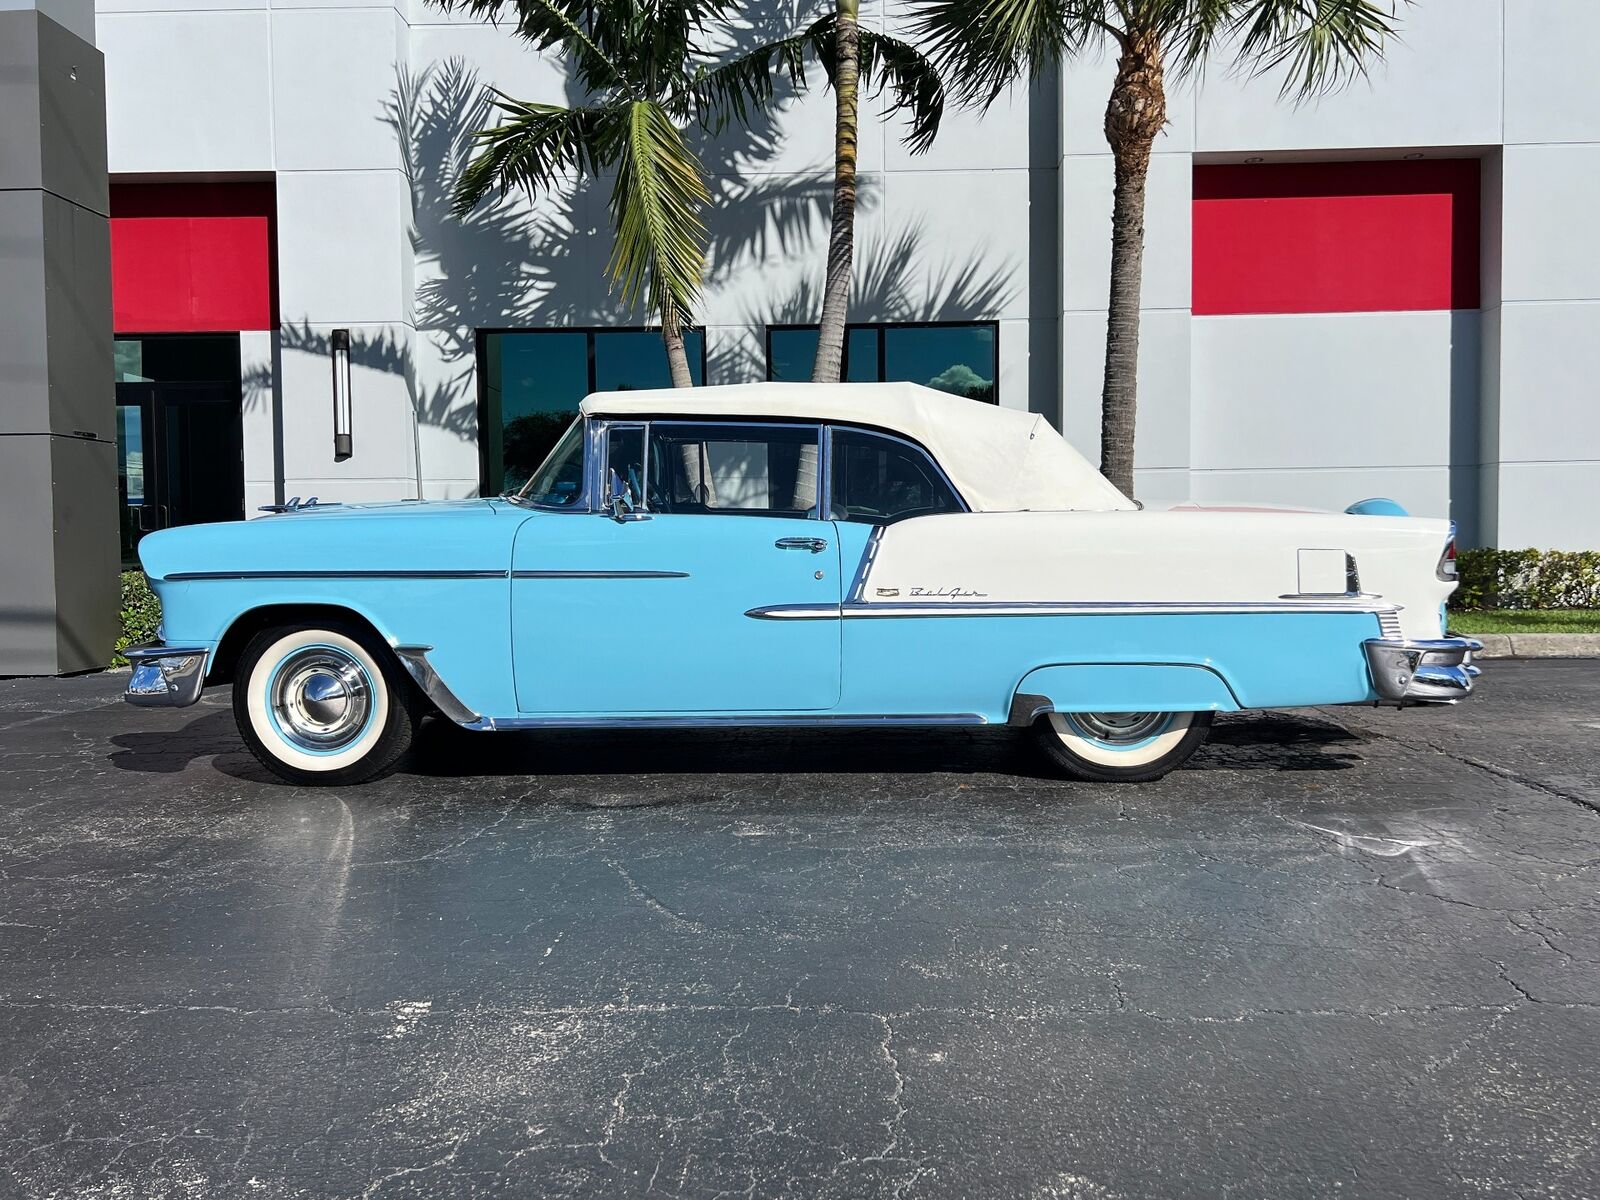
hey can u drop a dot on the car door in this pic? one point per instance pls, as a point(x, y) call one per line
point(646, 611)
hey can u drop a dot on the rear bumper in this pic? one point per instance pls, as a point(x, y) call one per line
point(165, 676)
point(1422, 672)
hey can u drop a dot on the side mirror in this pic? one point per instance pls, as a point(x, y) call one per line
point(619, 496)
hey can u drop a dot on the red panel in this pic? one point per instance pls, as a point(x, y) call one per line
point(1336, 237)
point(193, 257)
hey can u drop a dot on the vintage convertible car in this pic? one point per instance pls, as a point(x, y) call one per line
point(791, 555)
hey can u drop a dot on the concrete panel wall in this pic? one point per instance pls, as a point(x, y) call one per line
point(58, 592)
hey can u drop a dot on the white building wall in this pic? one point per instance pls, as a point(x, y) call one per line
point(361, 113)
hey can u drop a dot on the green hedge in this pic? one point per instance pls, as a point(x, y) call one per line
point(1528, 579)
point(141, 613)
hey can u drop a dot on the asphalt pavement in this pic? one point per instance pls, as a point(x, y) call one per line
point(1345, 952)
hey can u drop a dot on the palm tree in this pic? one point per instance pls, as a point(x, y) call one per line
point(650, 84)
point(854, 58)
point(987, 45)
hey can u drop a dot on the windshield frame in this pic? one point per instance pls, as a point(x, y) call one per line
point(585, 439)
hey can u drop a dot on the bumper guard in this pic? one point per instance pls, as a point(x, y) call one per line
point(1422, 672)
point(165, 676)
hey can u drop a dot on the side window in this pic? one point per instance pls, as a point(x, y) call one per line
point(625, 458)
point(878, 480)
point(750, 470)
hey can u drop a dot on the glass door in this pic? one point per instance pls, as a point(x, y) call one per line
point(179, 457)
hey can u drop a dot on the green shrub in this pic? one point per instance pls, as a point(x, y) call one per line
point(141, 613)
point(1527, 579)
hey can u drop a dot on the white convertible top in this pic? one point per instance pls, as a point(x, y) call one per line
point(1000, 459)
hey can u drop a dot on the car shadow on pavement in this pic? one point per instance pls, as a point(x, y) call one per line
point(1254, 742)
point(1258, 741)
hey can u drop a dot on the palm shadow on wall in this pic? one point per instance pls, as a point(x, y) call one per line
point(509, 264)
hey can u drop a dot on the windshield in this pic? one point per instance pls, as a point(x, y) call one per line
point(558, 483)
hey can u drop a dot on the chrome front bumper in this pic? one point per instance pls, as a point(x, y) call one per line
point(165, 676)
point(1424, 672)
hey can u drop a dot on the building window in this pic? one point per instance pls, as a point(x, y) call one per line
point(960, 358)
point(531, 382)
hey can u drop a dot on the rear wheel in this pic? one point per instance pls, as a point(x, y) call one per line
point(1120, 747)
point(323, 704)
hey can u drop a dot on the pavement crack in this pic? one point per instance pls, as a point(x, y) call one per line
point(643, 895)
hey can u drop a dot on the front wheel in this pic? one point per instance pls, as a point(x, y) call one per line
point(323, 704)
point(1120, 747)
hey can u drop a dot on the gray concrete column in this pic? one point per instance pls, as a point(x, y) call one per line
point(58, 454)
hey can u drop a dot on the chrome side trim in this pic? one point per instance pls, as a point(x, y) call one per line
point(856, 610)
point(784, 721)
point(194, 576)
point(415, 660)
point(165, 676)
point(858, 585)
point(1435, 671)
point(1356, 597)
point(600, 575)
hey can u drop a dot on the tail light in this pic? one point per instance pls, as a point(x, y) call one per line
point(1447, 560)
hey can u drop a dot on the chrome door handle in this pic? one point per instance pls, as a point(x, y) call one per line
point(815, 545)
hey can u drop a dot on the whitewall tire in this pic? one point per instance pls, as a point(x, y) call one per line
point(323, 704)
point(1120, 747)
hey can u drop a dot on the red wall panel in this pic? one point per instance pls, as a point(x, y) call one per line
point(193, 257)
point(1336, 237)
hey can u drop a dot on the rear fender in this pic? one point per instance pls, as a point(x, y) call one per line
point(1121, 687)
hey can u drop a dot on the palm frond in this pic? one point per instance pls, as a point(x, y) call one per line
point(730, 90)
point(1320, 44)
point(984, 46)
point(888, 64)
point(535, 146)
point(572, 25)
point(655, 211)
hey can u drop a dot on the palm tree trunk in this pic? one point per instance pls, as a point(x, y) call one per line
point(1136, 114)
point(677, 356)
point(841, 240)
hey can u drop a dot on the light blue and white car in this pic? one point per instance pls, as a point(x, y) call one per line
point(797, 555)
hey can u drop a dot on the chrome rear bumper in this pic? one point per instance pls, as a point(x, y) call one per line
point(1423, 672)
point(165, 676)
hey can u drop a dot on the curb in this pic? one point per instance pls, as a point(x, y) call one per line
point(1538, 645)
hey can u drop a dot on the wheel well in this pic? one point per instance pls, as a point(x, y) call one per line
point(250, 623)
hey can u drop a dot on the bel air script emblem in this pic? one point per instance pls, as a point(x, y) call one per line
point(946, 593)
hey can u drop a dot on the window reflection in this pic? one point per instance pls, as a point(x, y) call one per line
point(958, 358)
point(534, 380)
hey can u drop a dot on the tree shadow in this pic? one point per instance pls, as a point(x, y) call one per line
point(515, 264)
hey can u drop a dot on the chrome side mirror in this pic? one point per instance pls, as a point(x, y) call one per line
point(619, 496)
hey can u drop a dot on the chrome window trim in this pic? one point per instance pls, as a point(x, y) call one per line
point(648, 424)
point(869, 431)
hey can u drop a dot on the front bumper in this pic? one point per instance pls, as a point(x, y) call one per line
point(165, 676)
point(1422, 672)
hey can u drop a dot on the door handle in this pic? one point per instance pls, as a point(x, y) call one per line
point(814, 544)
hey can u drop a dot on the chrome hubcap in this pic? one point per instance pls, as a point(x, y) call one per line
point(322, 697)
point(1120, 728)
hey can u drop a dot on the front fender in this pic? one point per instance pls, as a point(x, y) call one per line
point(1121, 687)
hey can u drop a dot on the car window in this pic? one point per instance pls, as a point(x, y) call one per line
point(625, 460)
point(739, 469)
point(877, 480)
point(558, 483)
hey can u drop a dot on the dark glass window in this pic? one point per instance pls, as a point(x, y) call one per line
point(879, 480)
point(533, 381)
point(957, 358)
point(750, 470)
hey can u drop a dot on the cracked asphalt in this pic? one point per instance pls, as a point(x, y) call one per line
point(1344, 953)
